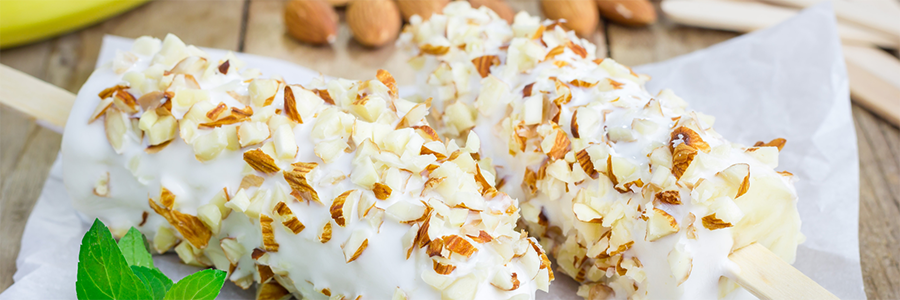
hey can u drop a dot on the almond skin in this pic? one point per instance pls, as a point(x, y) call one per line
point(628, 12)
point(423, 8)
point(338, 3)
point(311, 21)
point(374, 23)
point(498, 6)
point(581, 15)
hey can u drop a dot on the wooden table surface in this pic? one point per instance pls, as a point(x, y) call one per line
point(255, 26)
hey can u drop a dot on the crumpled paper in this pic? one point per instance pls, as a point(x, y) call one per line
point(787, 81)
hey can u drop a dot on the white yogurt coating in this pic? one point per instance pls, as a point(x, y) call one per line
point(231, 215)
point(609, 247)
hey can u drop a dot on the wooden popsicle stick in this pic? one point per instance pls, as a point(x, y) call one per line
point(767, 276)
point(745, 16)
point(47, 103)
point(874, 81)
point(875, 16)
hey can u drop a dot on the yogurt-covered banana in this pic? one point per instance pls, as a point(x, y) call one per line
point(334, 190)
point(635, 195)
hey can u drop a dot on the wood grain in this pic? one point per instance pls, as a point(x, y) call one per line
point(26, 150)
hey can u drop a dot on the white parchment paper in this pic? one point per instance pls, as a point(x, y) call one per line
point(787, 81)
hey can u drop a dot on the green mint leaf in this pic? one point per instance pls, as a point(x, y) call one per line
point(102, 271)
point(203, 285)
point(155, 281)
point(134, 250)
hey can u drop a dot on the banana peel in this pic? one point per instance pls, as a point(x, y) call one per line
point(26, 21)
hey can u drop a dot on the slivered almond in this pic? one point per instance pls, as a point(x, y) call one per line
point(574, 125)
point(745, 186)
point(425, 151)
point(257, 253)
point(430, 184)
point(483, 237)
point(487, 189)
point(578, 50)
point(388, 80)
point(108, 92)
point(670, 197)
point(458, 245)
point(554, 52)
point(101, 109)
point(615, 84)
point(354, 246)
point(443, 269)
point(427, 132)
point(337, 208)
point(688, 137)
point(156, 148)
point(582, 83)
point(190, 227)
point(421, 239)
point(325, 234)
point(167, 198)
point(484, 63)
point(660, 224)
point(288, 219)
point(526, 91)
point(382, 191)
point(682, 156)
point(435, 247)
point(545, 261)
point(215, 112)
point(235, 117)
point(584, 159)
point(268, 235)
point(296, 178)
point(713, 223)
point(561, 145)
point(251, 181)
point(325, 96)
point(290, 105)
point(260, 161)
point(779, 142)
point(434, 50)
point(271, 290)
point(265, 273)
point(223, 68)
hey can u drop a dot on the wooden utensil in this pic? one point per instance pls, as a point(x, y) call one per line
point(45, 102)
point(874, 75)
point(874, 81)
point(876, 16)
point(766, 276)
point(760, 271)
point(746, 16)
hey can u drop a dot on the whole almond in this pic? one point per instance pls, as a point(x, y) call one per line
point(498, 6)
point(423, 8)
point(338, 3)
point(581, 15)
point(374, 22)
point(311, 21)
point(628, 12)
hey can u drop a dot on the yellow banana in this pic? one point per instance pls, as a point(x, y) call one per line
point(24, 21)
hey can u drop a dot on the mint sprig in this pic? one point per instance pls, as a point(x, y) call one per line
point(134, 250)
point(107, 270)
point(201, 285)
point(155, 281)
